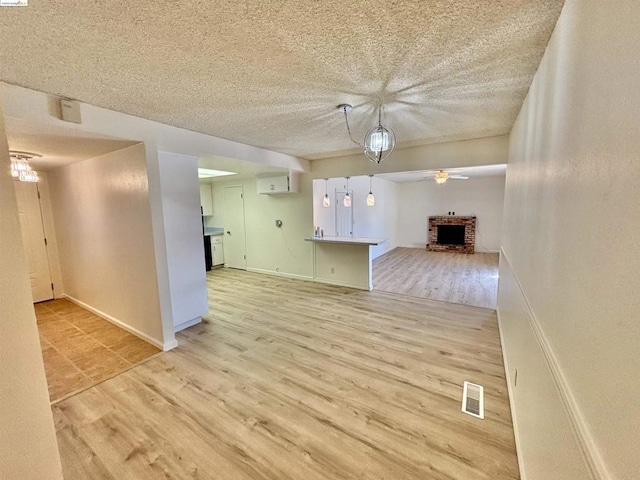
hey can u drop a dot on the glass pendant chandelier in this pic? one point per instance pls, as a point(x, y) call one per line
point(20, 168)
point(379, 142)
point(347, 197)
point(326, 201)
point(371, 200)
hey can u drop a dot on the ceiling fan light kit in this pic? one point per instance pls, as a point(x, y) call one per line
point(441, 177)
point(379, 142)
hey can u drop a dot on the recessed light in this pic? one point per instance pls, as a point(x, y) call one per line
point(208, 173)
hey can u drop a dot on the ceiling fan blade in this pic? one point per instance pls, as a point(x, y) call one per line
point(458, 177)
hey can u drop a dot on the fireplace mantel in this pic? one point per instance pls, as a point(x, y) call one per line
point(469, 224)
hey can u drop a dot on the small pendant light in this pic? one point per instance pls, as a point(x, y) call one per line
point(347, 197)
point(371, 200)
point(326, 201)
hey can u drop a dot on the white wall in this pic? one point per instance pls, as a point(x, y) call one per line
point(479, 196)
point(183, 238)
point(271, 249)
point(378, 221)
point(105, 238)
point(569, 283)
point(28, 446)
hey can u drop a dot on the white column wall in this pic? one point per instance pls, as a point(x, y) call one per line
point(28, 446)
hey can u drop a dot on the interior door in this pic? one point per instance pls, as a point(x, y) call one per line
point(344, 215)
point(33, 239)
point(235, 244)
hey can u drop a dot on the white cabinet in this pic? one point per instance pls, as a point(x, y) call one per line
point(206, 199)
point(277, 184)
point(217, 250)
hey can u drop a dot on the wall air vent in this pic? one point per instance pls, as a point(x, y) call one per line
point(473, 400)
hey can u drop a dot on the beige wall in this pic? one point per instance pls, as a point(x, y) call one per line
point(28, 447)
point(271, 249)
point(105, 238)
point(479, 196)
point(568, 299)
point(465, 153)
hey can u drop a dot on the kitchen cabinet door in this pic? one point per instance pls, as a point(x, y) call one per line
point(217, 251)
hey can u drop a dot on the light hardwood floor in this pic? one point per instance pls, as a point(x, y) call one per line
point(448, 277)
point(80, 349)
point(288, 379)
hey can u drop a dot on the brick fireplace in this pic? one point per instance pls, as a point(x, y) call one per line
point(450, 233)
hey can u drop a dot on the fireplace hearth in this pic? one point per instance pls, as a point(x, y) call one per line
point(450, 233)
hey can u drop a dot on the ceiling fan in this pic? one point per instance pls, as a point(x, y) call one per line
point(441, 176)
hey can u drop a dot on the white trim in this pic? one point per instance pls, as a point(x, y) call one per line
point(280, 274)
point(170, 345)
point(164, 346)
point(586, 444)
point(187, 324)
point(514, 418)
point(342, 284)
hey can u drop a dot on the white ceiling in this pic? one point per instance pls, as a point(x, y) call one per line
point(471, 172)
point(58, 145)
point(270, 73)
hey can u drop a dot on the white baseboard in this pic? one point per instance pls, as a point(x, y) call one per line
point(168, 346)
point(280, 274)
point(342, 284)
point(590, 452)
point(514, 418)
point(187, 324)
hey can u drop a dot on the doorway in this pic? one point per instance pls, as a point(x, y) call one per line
point(34, 240)
point(235, 242)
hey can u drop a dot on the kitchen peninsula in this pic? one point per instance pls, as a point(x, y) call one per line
point(345, 261)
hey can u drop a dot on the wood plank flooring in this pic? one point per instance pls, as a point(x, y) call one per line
point(287, 379)
point(448, 277)
point(80, 349)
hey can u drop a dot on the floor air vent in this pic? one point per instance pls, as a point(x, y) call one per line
point(473, 400)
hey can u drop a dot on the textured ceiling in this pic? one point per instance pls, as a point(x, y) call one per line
point(58, 146)
point(269, 73)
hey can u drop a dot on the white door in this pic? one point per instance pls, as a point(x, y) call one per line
point(34, 241)
point(344, 215)
point(235, 245)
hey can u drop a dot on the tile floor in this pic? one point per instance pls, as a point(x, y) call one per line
point(81, 349)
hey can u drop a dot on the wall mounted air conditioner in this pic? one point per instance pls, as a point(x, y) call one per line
point(274, 184)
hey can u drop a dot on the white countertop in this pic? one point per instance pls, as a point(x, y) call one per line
point(347, 240)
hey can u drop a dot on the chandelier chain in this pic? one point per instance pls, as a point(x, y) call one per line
point(346, 119)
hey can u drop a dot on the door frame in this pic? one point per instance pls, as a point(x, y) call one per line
point(244, 219)
point(47, 239)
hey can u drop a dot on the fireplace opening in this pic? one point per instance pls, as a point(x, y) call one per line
point(450, 235)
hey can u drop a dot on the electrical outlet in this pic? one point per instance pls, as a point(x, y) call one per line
point(333, 270)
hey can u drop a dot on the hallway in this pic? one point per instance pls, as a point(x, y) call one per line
point(80, 349)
